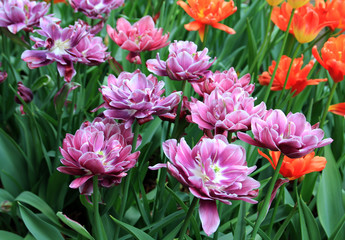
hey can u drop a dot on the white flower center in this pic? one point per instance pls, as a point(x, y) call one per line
point(60, 47)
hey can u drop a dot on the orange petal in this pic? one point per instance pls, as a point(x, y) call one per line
point(193, 26)
point(186, 8)
point(338, 109)
point(224, 28)
point(202, 32)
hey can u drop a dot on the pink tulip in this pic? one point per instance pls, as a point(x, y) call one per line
point(292, 135)
point(212, 170)
point(184, 62)
point(134, 96)
point(228, 111)
point(95, 8)
point(225, 81)
point(101, 148)
point(142, 36)
point(21, 14)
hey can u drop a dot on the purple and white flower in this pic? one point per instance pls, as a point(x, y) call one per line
point(212, 170)
point(134, 96)
point(228, 111)
point(16, 15)
point(95, 8)
point(101, 148)
point(184, 62)
point(292, 135)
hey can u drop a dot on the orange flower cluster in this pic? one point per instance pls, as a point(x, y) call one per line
point(297, 79)
point(338, 109)
point(333, 57)
point(307, 22)
point(208, 12)
point(332, 11)
point(293, 168)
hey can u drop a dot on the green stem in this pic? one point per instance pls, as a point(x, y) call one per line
point(265, 206)
point(99, 231)
point(288, 72)
point(276, 205)
point(186, 220)
point(325, 110)
point(268, 90)
point(285, 224)
point(128, 178)
point(177, 119)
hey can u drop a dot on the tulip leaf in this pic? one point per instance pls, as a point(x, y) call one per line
point(36, 202)
point(309, 228)
point(330, 206)
point(9, 236)
point(44, 80)
point(74, 225)
point(174, 232)
point(135, 232)
point(12, 165)
point(40, 229)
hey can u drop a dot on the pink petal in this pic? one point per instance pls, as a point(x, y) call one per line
point(209, 216)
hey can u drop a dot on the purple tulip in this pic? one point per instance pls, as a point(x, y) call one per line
point(65, 46)
point(212, 170)
point(101, 148)
point(184, 62)
point(292, 134)
point(228, 111)
point(135, 96)
point(25, 93)
point(95, 8)
point(21, 14)
point(3, 75)
point(225, 81)
point(142, 36)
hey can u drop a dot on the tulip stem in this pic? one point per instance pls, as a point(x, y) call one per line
point(279, 57)
point(281, 191)
point(186, 220)
point(178, 113)
point(288, 72)
point(325, 110)
point(99, 231)
point(265, 206)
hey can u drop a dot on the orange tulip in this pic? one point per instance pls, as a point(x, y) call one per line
point(297, 79)
point(208, 12)
point(338, 109)
point(293, 168)
point(333, 57)
point(274, 2)
point(297, 3)
point(307, 24)
point(331, 11)
point(281, 15)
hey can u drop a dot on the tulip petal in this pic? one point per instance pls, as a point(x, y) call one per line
point(209, 216)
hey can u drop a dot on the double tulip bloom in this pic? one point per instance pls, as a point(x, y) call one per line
point(101, 148)
point(139, 37)
point(184, 62)
point(95, 9)
point(212, 170)
point(292, 135)
point(65, 46)
point(134, 96)
point(16, 15)
point(225, 81)
point(228, 111)
point(208, 12)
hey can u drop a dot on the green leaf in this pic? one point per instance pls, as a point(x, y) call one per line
point(41, 82)
point(9, 236)
point(36, 202)
point(330, 206)
point(4, 195)
point(74, 225)
point(174, 232)
point(137, 233)
point(309, 227)
point(12, 165)
point(252, 47)
point(40, 229)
